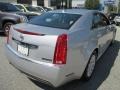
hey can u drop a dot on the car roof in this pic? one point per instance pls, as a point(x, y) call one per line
point(73, 11)
point(9, 3)
point(21, 4)
point(4, 3)
point(16, 4)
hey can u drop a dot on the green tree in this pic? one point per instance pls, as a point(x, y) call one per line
point(92, 4)
point(118, 7)
point(112, 8)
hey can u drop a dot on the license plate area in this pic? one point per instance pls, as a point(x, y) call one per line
point(23, 49)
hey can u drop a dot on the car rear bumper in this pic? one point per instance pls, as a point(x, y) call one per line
point(46, 72)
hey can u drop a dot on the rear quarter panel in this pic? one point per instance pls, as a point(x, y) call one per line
point(81, 44)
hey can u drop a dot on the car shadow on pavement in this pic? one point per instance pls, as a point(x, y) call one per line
point(102, 71)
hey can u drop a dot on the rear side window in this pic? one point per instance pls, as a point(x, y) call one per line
point(19, 6)
point(56, 20)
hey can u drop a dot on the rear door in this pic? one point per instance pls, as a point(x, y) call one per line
point(108, 29)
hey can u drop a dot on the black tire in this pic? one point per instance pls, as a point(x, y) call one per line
point(117, 24)
point(87, 76)
point(6, 27)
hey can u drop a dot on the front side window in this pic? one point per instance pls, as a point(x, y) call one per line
point(20, 7)
point(99, 20)
point(105, 21)
point(11, 8)
point(30, 8)
point(56, 20)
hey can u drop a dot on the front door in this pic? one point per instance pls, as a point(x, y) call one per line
point(99, 29)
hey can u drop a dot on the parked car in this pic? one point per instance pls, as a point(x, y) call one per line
point(61, 45)
point(43, 9)
point(111, 16)
point(10, 15)
point(28, 8)
point(21, 7)
point(115, 17)
point(35, 9)
point(117, 20)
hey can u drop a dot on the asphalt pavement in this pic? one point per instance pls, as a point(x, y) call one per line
point(106, 76)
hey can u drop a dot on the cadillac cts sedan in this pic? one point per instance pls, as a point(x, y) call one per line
point(60, 45)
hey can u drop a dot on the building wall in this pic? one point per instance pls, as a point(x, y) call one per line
point(78, 3)
point(47, 3)
point(40, 2)
point(57, 3)
point(34, 2)
point(24, 1)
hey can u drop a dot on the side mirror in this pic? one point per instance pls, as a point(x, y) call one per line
point(112, 22)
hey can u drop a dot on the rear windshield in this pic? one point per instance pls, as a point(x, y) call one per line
point(56, 20)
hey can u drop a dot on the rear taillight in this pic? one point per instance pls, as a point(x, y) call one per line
point(28, 32)
point(60, 54)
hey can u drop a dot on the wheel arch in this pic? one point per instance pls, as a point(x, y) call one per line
point(5, 21)
point(95, 50)
point(91, 49)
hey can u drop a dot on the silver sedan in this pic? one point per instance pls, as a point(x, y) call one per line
point(61, 45)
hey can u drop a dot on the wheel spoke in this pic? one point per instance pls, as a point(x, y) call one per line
point(91, 66)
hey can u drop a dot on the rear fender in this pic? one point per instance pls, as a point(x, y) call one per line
point(89, 50)
point(9, 20)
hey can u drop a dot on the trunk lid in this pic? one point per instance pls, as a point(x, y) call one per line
point(35, 42)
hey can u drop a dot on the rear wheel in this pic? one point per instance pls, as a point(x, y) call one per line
point(6, 27)
point(90, 66)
